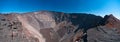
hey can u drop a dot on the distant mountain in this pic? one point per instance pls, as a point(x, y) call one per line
point(51, 26)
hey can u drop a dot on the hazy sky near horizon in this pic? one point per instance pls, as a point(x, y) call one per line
point(97, 7)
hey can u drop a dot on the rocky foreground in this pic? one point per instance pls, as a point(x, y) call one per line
point(50, 26)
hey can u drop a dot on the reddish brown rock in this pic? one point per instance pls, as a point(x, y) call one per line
point(112, 22)
point(51, 26)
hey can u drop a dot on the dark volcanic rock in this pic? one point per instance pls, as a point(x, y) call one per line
point(103, 34)
point(109, 31)
point(111, 21)
point(51, 26)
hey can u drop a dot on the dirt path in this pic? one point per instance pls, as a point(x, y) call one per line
point(31, 29)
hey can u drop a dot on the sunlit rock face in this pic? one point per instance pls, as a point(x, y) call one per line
point(51, 26)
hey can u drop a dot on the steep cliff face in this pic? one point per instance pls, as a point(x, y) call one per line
point(107, 32)
point(51, 26)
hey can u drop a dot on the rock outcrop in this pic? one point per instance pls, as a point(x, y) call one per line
point(51, 26)
point(107, 32)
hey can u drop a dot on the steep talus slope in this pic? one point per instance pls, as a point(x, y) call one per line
point(108, 31)
point(51, 26)
point(78, 20)
point(112, 22)
point(11, 30)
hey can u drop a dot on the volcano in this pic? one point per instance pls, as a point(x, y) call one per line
point(51, 26)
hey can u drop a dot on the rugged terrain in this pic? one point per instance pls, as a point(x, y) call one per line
point(51, 26)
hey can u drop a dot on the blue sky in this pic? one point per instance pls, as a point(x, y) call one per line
point(97, 7)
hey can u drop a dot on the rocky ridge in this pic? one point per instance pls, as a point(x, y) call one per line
point(51, 26)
